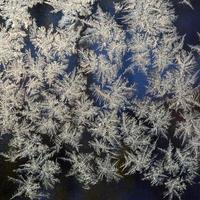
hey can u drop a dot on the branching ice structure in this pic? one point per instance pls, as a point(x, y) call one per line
point(90, 111)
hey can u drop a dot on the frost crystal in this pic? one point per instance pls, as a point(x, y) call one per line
point(69, 93)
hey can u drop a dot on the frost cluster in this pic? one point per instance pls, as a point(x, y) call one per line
point(68, 94)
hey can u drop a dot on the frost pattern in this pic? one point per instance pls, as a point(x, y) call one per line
point(75, 92)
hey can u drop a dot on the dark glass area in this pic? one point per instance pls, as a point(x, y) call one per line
point(187, 21)
point(44, 15)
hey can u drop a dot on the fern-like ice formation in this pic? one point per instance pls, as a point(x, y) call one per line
point(73, 91)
